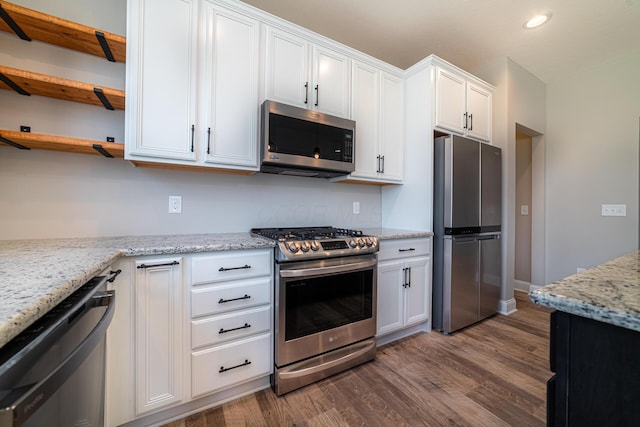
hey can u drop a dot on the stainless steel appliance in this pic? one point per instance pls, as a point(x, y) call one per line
point(52, 374)
point(467, 227)
point(301, 142)
point(325, 294)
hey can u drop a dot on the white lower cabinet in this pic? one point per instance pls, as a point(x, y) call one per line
point(186, 327)
point(231, 323)
point(404, 284)
point(158, 331)
point(224, 365)
point(146, 339)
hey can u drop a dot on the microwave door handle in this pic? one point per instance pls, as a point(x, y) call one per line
point(38, 393)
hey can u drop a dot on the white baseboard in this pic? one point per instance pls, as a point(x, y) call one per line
point(521, 285)
point(507, 307)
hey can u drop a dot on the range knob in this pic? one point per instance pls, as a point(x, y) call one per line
point(368, 241)
point(361, 243)
point(314, 246)
point(305, 246)
point(293, 247)
point(352, 243)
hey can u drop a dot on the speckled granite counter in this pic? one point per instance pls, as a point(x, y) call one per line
point(608, 293)
point(394, 233)
point(35, 275)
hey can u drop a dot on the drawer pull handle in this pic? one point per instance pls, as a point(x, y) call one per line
point(406, 250)
point(234, 268)
point(224, 331)
point(158, 265)
point(222, 300)
point(223, 369)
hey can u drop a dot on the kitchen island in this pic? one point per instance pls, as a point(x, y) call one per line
point(595, 345)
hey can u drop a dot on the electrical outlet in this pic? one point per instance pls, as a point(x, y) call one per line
point(614, 210)
point(524, 209)
point(356, 208)
point(175, 204)
point(580, 269)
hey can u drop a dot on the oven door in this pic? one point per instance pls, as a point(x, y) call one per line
point(324, 305)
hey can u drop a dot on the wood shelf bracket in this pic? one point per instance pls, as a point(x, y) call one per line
point(13, 25)
point(100, 94)
point(99, 149)
point(13, 144)
point(105, 46)
point(6, 80)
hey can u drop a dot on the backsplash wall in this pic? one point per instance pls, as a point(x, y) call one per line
point(49, 194)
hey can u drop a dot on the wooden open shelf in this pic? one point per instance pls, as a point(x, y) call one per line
point(27, 140)
point(29, 83)
point(29, 24)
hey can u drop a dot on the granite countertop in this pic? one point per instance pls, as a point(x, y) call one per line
point(38, 274)
point(608, 293)
point(394, 233)
point(35, 275)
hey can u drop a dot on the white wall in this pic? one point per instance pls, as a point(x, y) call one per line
point(48, 194)
point(519, 98)
point(592, 159)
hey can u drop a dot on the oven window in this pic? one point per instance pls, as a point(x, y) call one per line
point(321, 303)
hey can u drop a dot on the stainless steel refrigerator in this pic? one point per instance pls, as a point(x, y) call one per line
point(467, 269)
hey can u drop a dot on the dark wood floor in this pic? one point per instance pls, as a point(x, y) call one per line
point(491, 374)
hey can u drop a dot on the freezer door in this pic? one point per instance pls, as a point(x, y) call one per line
point(461, 182)
point(460, 283)
point(491, 186)
point(490, 274)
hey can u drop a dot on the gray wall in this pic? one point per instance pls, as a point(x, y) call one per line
point(592, 159)
point(49, 194)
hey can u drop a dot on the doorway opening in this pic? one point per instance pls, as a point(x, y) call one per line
point(529, 209)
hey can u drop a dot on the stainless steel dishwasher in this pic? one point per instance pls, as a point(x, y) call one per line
point(53, 372)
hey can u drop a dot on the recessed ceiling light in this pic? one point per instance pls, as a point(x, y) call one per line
point(537, 20)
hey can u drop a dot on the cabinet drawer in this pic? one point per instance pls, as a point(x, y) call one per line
point(206, 300)
point(231, 265)
point(404, 248)
point(219, 329)
point(229, 364)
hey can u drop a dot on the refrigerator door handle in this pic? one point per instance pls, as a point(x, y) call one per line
point(494, 237)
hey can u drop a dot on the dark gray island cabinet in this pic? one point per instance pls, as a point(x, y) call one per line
point(597, 377)
point(595, 345)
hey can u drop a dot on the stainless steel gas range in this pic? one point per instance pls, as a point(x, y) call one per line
point(325, 303)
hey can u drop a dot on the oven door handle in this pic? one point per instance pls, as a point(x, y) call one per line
point(332, 269)
point(28, 399)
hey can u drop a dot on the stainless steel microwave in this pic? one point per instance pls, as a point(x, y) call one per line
point(301, 142)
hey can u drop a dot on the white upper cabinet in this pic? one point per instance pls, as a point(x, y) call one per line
point(194, 89)
point(231, 70)
point(306, 75)
point(377, 109)
point(463, 105)
point(161, 80)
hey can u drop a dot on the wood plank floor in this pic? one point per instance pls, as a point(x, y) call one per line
point(490, 374)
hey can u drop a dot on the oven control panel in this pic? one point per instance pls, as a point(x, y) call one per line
point(311, 249)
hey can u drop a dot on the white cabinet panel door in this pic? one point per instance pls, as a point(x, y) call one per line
point(479, 107)
point(232, 65)
point(450, 101)
point(365, 112)
point(392, 127)
point(287, 74)
point(161, 84)
point(330, 82)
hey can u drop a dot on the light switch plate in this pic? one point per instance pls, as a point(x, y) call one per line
point(614, 210)
point(524, 210)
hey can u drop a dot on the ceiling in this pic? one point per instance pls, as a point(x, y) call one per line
point(471, 33)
